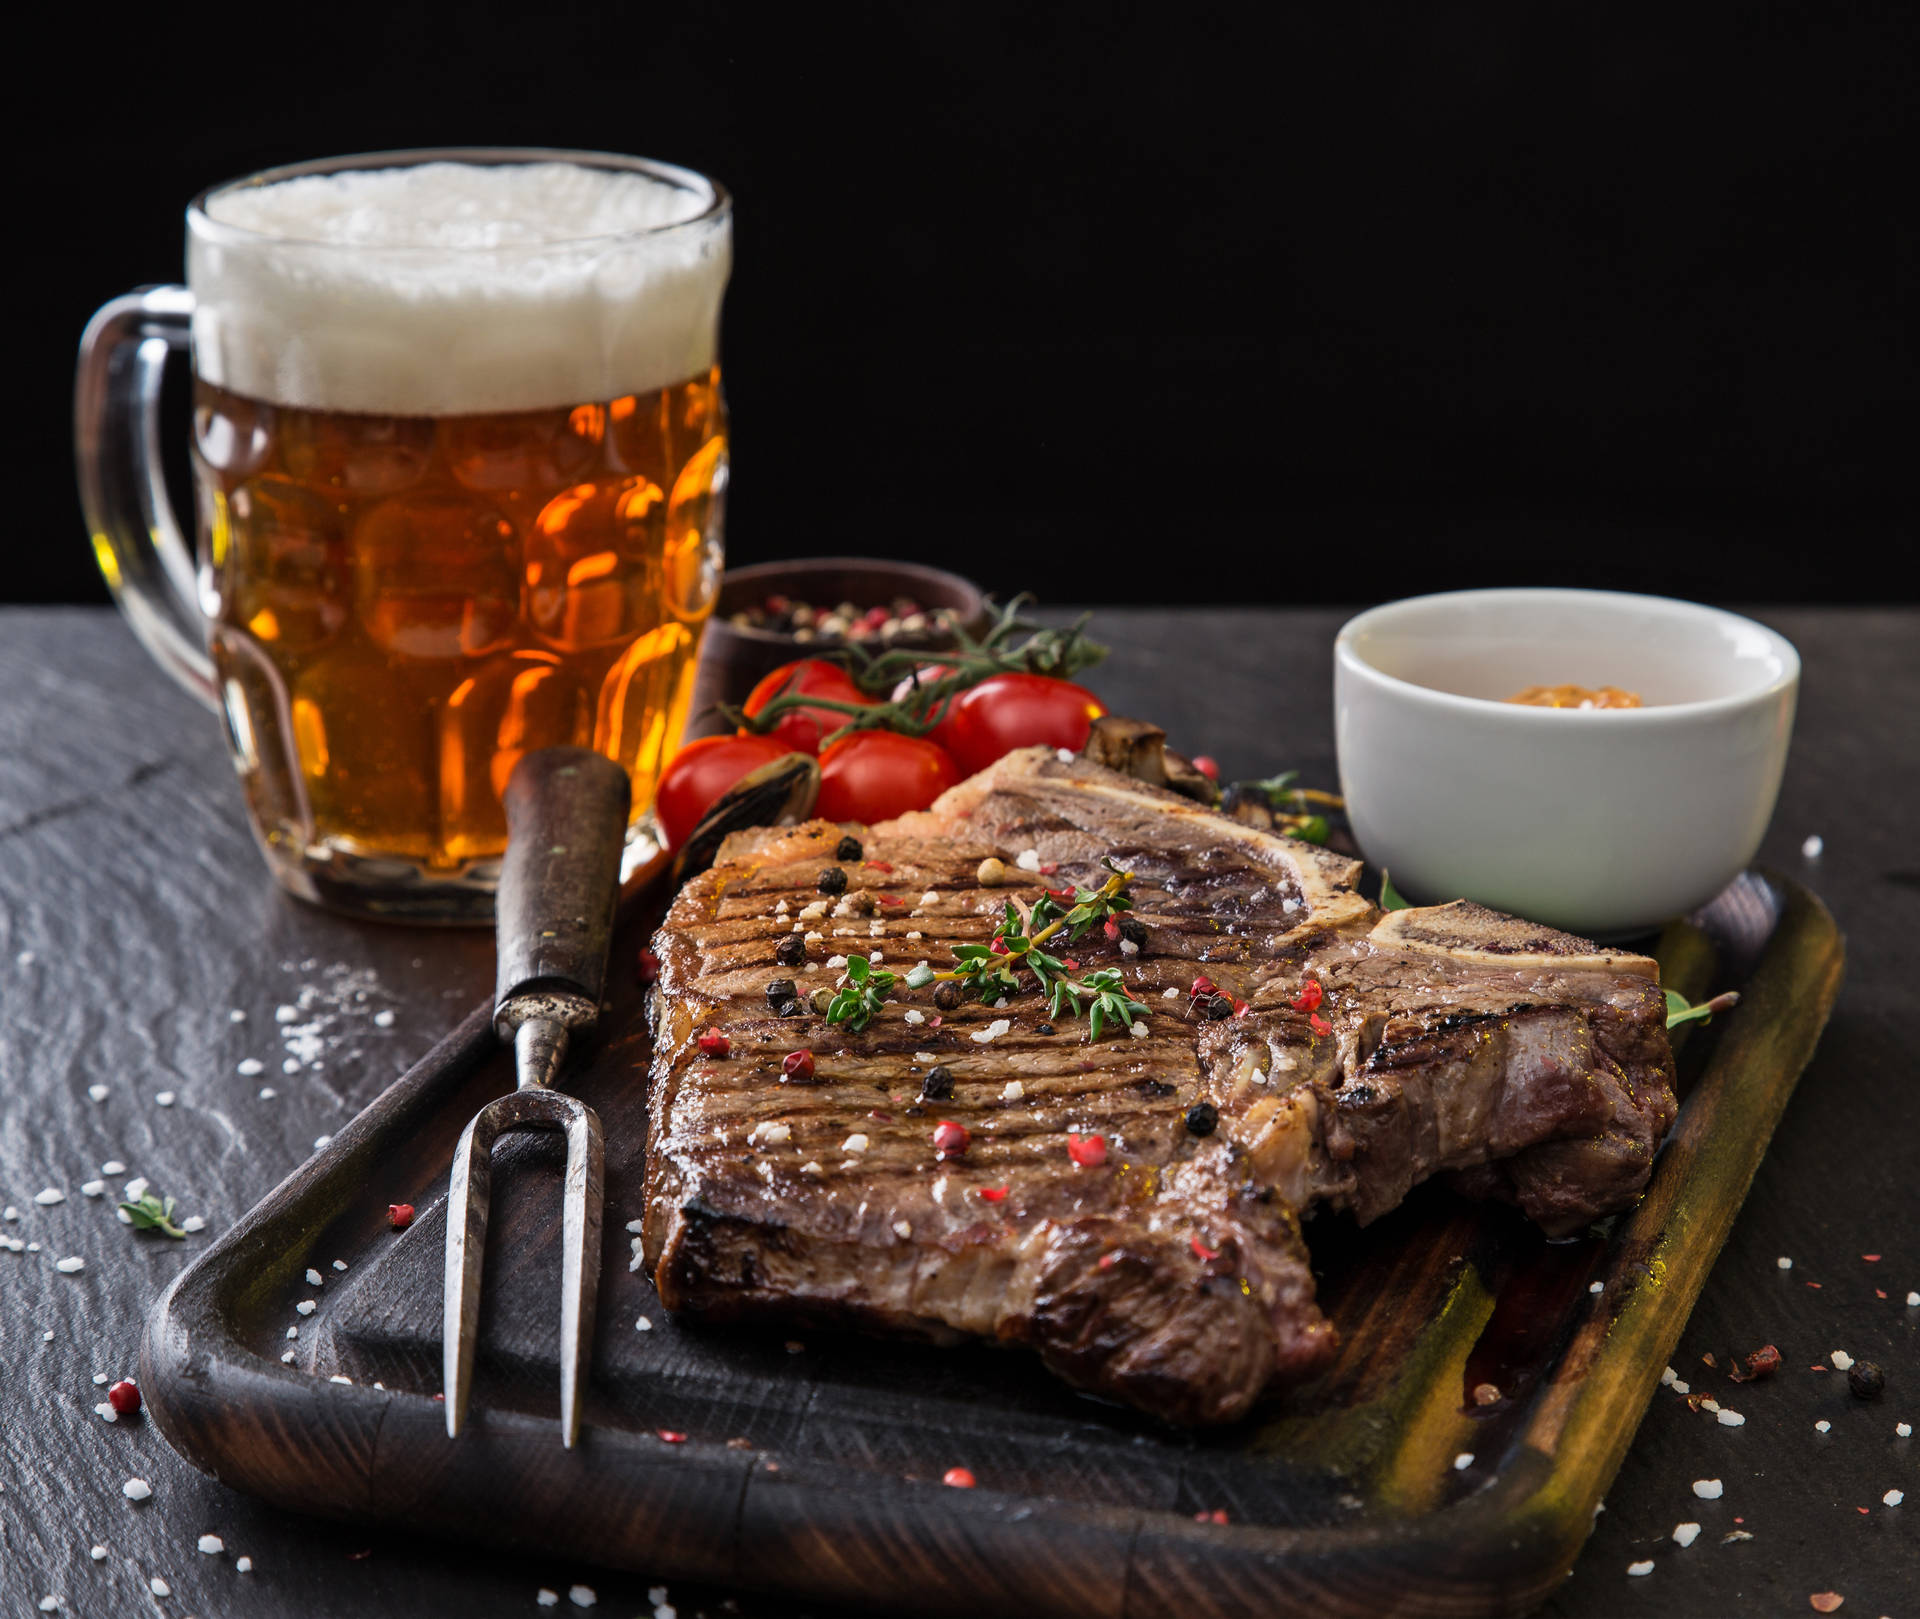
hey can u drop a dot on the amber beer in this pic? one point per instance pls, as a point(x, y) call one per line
point(456, 501)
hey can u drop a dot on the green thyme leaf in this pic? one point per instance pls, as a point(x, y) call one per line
point(1313, 829)
point(920, 977)
point(151, 1213)
point(1390, 897)
point(1681, 1010)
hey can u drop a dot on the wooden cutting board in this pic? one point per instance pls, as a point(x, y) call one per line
point(812, 1464)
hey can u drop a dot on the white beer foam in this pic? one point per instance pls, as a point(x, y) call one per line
point(450, 288)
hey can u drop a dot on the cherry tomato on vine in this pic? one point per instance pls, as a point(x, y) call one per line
point(700, 772)
point(876, 775)
point(800, 729)
point(1015, 710)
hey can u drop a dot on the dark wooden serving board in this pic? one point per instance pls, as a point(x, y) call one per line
point(813, 1464)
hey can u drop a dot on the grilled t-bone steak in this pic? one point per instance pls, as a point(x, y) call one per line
point(1171, 1275)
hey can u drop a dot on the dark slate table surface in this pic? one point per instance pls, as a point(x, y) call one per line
point(144, 949)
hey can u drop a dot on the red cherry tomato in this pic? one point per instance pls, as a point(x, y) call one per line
point(1015, 710)
point(876, 775)
point(800, 729)
point(700, 772)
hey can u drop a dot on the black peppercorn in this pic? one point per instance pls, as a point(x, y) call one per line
point(1133, 930)
point(1201, 1118)
point(790, 1007)
point(831, 881)
point(790, 951)
point(1866, 1380)
point(1043, 1028)
point(780, 989)
point(947, 995)
point(1219, 1006)
point(849, 849)
point(938, 1085)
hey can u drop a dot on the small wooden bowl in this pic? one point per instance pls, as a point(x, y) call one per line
point(734, 660)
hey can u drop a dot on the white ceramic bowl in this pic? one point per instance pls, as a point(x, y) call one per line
point(1604, 822)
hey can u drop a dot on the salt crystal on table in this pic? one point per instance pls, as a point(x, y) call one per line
point(136, 1489)
point(306, 1306)
point(136, 1188)
point(99, 1378)
point(1463, 1461)
point(1682, 1386)
point(1894, 1497)
point(290, 1066)
point(1812, 848)
point(1903, 1429)
point(285, 1014)
point(1644, 1566)
point(98, 1554)
point(1841, 1360)
point(113, 1166)
point(1913, 1299)
point(1784, 1263)
point(339, 1264)
point(383, 1020)
point(1709, 1405)
point(236, 1016)
point(314, 1278)
point(92, 1188)
point(1684, 1534)
point(287, 1358)
point(49, 1196)
point(159, 1587)
point(643, 1325)
point(1822, 1425)
point(97, 1092)
point(1708, 1489)
point(105, 1411)
point(193, 1222)
point(71, 1266)
point(243, 1565)
point(249, 1066)
point(581, 1596)
point(211, 1544)
point(9, 1213)
point(164, 1098)
point(320, 1143)
point(267, 1093)
point(1731, 1419)
point(546, 1598)
point(49, 1602)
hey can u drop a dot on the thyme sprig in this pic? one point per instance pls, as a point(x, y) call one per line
point(991, 971)
point(1681, 1010)
point(1045, 651)
point(151, 1213)
point(860, 998)
point(1390, 897)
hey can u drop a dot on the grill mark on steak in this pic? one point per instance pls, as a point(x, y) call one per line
point(1528, 1065)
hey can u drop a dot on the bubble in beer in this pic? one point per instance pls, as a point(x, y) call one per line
point(589, 557)
point(525, 449)
point(289, 559)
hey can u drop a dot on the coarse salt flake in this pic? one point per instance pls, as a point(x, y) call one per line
point(1029, 860)
point(1064, 755)
point(100, 1378)
point(854, 1143)
point(49, 1196)
point(248, 1067)
point(314, 1278)
point(285, 1014)
point(92, 1188)
point(1903, 1429)
point(1684, 1534)
point(98, 1554)
point(1644, 1566)
point(1784, 1263)
point(159, 1587)
point(1129, 948)
point(1682, 1386)
point(930, 897)
point(1138, 1028)
point(546, 1598)
point(113, 1166)
point(136, 1188)
point(1912, 1300)
point(97, 1092)
point(902, 1229)
point(1893, 1498)
point(1708, 1489)
point(836, 961)
point(72, 1265)
point(1463, 1461)
point(165, 1098)
point(1813, 847)
point(1730, 1419)
point(812, 1167)
point(193, 1222)
point(915, 1015)
point(1841, 1360)
point(1012, 1091)
point(136, 1489)
point(1822, 1425)
point(287, 1357)
point(581, 1596)
point(307, 1306)
point(293, 1332)
point(992, 1031)
point(1709, 1405)
point(1169, 994)
point(644, 1324)
point(212, 1544)
point(1598, 1287)
point(925, 1056)
point(1666, 1377)
point(105, 1411)
point(243, 1565)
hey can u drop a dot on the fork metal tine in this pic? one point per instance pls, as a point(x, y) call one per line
point(468, 1199)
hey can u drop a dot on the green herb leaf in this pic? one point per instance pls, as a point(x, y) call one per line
point(151, 1213)
point(920, 977)
point(859, 999)
point(1681, 1010)
point(1390, 897)
point(1312, 829)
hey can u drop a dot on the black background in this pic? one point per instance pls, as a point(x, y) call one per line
point(1153, 304)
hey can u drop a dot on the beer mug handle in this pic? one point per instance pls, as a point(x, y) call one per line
point(123, 493)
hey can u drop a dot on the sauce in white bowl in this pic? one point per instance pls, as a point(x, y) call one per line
point(1602, 821)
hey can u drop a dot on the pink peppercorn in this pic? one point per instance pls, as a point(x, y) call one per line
point(950, 1139)
point(124, 1397)
point(714, 1043)
point(399, 1215)
point(1089, 1152)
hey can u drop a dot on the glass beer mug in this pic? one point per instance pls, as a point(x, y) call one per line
point(460, 457)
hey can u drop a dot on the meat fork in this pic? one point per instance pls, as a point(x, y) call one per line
point(566, 823)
